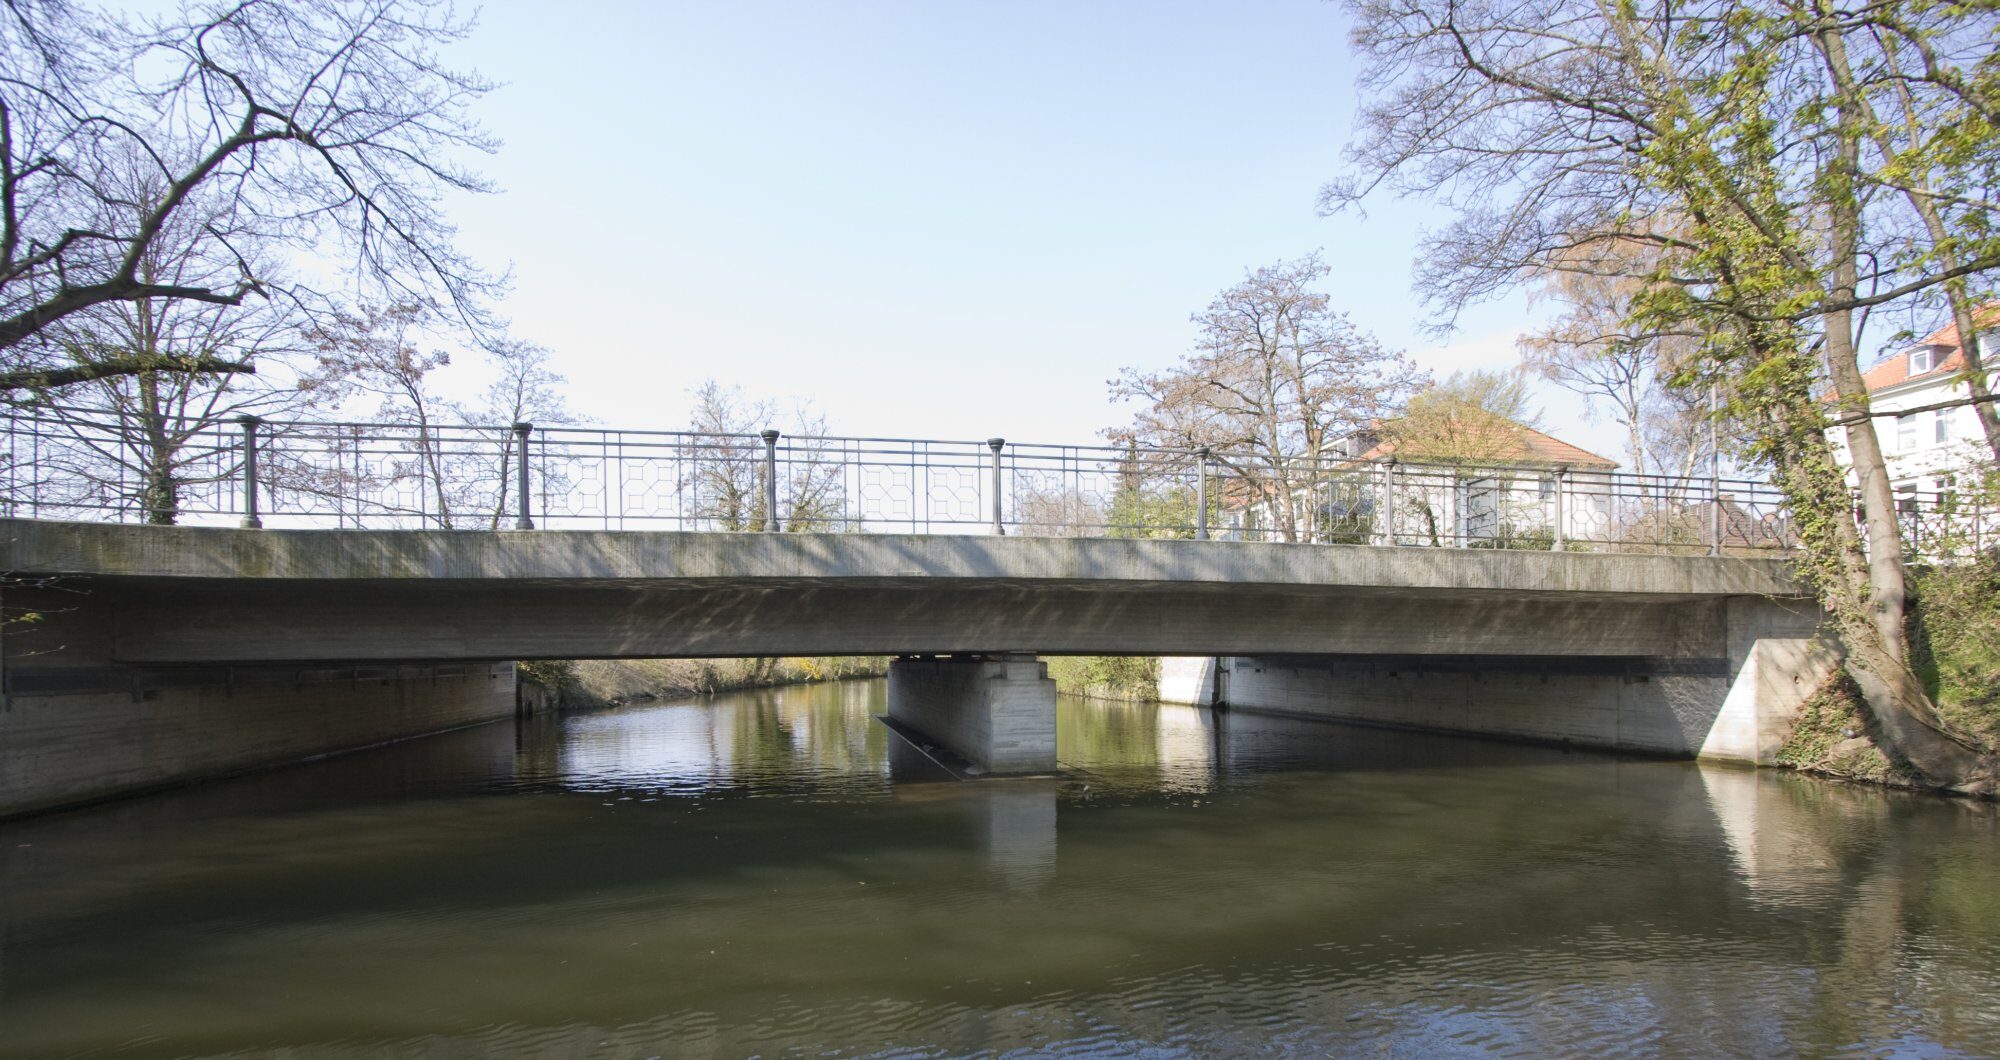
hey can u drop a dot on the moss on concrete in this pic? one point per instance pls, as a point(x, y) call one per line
point(1831, 739)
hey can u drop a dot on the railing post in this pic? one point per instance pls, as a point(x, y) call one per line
point(249, 424)
point(1714, 470)
point(1389, 498)
point(770, 481)
point(521, 432)
point(999, 526)
point(1201, 493)
point(1562, 529)
point(1715, 517)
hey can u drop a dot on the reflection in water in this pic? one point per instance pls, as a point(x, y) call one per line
point(756, 872)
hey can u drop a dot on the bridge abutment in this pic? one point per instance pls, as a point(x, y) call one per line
point(166, 727)
point(1732, 696)
point(999, 714)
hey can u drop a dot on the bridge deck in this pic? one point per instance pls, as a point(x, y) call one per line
point(138, 595)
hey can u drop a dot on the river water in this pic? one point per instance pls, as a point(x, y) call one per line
point(767, 873)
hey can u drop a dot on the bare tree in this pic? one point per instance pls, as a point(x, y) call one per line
point(729, 467)
point(1276, 378)
point(142, 438)
point(1594, 350)
point(328, 132)
point(526, 390)
point(374, 354)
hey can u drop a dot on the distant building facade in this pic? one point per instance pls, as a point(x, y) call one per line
point(1935, 451)
point(1519, 485)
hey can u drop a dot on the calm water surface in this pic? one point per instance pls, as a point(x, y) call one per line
point(766, 874)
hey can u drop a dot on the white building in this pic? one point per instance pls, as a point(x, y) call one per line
point(1509, 496)
point(1377, 491)
point(1937, 451)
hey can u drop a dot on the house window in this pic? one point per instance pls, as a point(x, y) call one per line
point(1923, 359)
point(1906, 432)
point(1989, 345)
point(1941, 426)
point(1906, 497)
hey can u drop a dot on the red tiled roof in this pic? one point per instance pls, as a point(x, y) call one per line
point(1522, 444)
point(1895, 368)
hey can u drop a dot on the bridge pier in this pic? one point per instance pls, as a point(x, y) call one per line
point(998, 713)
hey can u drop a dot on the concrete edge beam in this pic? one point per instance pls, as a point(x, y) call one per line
point(171, 552)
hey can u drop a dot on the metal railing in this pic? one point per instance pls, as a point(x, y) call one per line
point(73, 464)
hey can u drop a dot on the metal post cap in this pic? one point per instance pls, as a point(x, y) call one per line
point(768, 435)
point(248, 420)
point(995, 443)
point(523, 426)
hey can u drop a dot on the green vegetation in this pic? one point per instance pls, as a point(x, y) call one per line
point(1528, 539)
point(1127, 677)
point(1955, 646)
point(558, 676)
point(1154, 513)
point(601, 682)
point(1955, 638)
point(1831, 738)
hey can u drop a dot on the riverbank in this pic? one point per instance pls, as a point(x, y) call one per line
point(594, 683)
point(1955, 651)
point(1122, 678)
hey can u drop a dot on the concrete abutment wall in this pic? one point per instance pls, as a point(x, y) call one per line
point(1730, 696)
point(62, 749)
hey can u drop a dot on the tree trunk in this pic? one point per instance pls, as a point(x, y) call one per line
point(159, 500)
point(1876, 639)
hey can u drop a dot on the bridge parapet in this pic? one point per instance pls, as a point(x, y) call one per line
point(83, 464)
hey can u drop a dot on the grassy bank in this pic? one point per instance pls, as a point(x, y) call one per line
point(1130, 678)
point(604, 682)
point(1955, 640)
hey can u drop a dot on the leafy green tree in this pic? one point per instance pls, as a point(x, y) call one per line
point(1564, 131)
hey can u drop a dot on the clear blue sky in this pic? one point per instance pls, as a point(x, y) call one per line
point(929, 218)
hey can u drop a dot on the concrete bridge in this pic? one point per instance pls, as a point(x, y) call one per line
point(185, 639)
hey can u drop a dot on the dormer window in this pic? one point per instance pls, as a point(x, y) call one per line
point(1925, 358)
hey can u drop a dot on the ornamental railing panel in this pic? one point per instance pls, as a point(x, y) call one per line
point(58, 463)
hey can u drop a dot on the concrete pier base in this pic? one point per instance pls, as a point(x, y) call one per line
point(999, 714)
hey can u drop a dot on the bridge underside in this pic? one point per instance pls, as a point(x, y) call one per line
point(145, 621)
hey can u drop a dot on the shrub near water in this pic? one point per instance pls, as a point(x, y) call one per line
point(1128, 677)
point(1955, 645)
point(597, 682)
